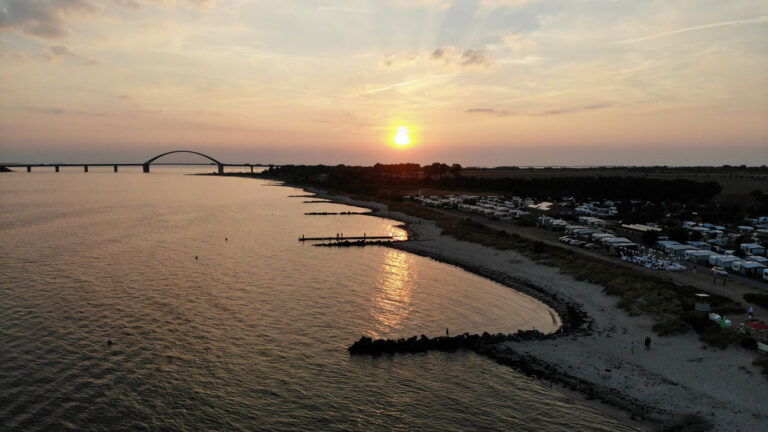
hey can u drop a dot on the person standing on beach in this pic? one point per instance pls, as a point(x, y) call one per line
point(648, 343)
point(632, 347)
point(751, 312)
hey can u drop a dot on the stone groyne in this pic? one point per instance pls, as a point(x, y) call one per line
point(497, 348)
point(424, 343)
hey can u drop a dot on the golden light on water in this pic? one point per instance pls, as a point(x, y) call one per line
point(402, 137)
point(397, 233)
point(394, 290)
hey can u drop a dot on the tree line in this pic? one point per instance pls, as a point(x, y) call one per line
point(409, 176)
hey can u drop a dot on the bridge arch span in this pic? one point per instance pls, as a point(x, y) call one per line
point(218, 164)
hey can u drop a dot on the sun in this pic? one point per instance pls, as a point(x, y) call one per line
point(402, 137)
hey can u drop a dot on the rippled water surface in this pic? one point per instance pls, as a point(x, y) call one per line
point(252, 334)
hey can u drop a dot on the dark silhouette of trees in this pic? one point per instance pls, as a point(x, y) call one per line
point(440, 175)
point(437, 169)
point(649, 237)
point(678, 234)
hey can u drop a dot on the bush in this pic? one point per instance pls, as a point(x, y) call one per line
point(719, 338)
point(748, 343)
point(650, 237)
point(762, 363)
point(687, 423)
point(671, 326)
point(758, 299)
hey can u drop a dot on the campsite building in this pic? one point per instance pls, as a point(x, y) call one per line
point(679, 249)
point(723, 261)
point(700, 257)
point(753, 248)
point(748, 268)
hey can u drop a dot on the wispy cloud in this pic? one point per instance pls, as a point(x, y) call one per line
point(437, 54)
point(449, 55)
point(51, 19)
point(45, 19)
point(62, 51)
point(473, 57)
point(757, 20)
point(203, 5)
point(61, 111)
point(503, 113)
point(592, 107)
point(489, 111)
point(443, 56)
point(131, 4)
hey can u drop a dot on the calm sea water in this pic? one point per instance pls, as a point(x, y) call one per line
point(252, 335)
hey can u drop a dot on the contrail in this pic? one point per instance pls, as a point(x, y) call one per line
point(400, 84)
point(405, 83)
point(757, 20)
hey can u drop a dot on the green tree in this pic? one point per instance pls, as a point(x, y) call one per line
point(678, 234)
point(649, 237)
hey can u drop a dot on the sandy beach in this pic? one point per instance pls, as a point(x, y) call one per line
point(678, 376)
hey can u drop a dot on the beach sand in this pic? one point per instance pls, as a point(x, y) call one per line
point(678, 376)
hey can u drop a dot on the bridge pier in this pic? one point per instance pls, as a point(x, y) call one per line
point(251, 169)
point(115, 167)
point(56, 168)
point(221, 169)
point(29, 168)
point(85, 168)
point(145, 168)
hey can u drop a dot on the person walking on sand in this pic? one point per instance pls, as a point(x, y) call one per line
point(648, 343)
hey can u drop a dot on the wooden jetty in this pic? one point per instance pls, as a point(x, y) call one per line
point(337, 213)
point(346, 238)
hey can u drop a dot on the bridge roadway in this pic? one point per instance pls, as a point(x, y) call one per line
point(145, 166)
point(115, 166)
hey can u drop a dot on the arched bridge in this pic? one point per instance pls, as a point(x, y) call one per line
point(218, 164)
point(145, 166)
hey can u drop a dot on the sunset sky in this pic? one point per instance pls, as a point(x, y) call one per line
point(486, 82)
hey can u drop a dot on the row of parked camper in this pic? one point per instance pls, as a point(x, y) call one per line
point(596, 237)
point(578, 243)
point(491, 206)
point(750, 265)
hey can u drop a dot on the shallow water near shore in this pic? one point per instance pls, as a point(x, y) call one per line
point(251, 334)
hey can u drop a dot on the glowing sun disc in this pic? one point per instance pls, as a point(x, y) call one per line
point(401, 137)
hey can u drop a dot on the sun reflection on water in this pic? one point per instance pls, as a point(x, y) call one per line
point(394, 290)
point(397, 233)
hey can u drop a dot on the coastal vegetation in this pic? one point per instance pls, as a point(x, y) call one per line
point(757, 298)
point(407, 176)
point(762, 363)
